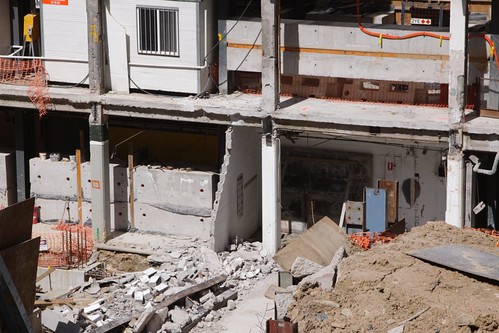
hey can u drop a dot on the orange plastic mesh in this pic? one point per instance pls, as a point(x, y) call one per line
point(29, 73)
point(69, 247)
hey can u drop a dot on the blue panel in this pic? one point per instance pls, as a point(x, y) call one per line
point(376, 212)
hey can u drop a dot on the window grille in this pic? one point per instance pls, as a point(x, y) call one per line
point(157, 31)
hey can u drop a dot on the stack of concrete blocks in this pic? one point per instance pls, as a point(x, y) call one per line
point(8, 189)
point(54, 185)
point(176, 202)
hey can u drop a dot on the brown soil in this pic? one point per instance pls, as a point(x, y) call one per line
point(383, 287)
point(123, 262)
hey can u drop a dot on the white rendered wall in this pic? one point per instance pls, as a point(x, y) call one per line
point(191, 42)
point(242, 157)
point(408, 162)
point(65, 36)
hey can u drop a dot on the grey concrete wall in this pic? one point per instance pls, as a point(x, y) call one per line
point(174, 201)
point(242, 160)
point(409, 161)
point(8, 194)
point(177, 202)
point(346, 52)
point(4, 27)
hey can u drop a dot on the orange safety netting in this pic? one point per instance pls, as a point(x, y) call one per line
point(489, 232)
point(70, 246)
point(365, 240)
point(29, 73)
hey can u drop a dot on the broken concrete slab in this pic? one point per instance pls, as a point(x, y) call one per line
point(282, 302)
point(326, 277)
point(56, 322)
point(318, 244)
point(143, 320)
point(180, 317)
point(303, 267)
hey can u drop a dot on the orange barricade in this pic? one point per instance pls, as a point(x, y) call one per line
point(29, 73)
point(68, 247)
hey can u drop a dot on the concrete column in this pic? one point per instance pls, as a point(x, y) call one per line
point(99, 173)
point(20, 156)
point(493, 100)
point(458, 66)
point(270, 55)
point(95, 47)
point(271, 193)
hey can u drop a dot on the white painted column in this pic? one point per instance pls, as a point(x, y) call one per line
point(458, 67)
point(271, 193)
point(99, 173)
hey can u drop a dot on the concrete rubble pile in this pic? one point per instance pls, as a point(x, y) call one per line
point(181, 289)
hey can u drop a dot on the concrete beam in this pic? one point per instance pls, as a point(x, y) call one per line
point(456, 189)
point(271, 193)
point(270, 55)
point(20, 156)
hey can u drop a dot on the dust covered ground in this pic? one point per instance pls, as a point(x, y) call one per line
point(381, 288)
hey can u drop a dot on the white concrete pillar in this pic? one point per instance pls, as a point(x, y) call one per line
point(456, 191)
point(271, 193)
point(458, 68)
point(99, 173)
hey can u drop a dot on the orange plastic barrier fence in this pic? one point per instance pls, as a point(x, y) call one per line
point(68, 247)
point(29, 73)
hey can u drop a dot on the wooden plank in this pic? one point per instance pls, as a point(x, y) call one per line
point(489, 113)
point(16, 223)
point(21, 261)
point(78, 184)
point(12, 310)
point(191, 290)
point(130, 186)
point(319, 244)
point(44, 275)
point(392, 198)
point(462, 258)
point(44, 304)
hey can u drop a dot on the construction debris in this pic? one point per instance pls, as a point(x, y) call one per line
point(318, 244)
point(386, 290)
point(186, 285)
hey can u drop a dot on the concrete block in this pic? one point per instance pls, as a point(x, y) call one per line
point(55, 322)
point(146, 293)
point(95, 317)
point(154, 281)
point(282, 303)
point(91, 308)
point(144, 279)
point(302, 267)
point(180, 317)
point(150, 271)
point(161, 287)
point(130, 291)
point(8, 196)
point(138, 296)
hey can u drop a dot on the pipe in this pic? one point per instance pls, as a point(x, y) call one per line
point(476, 167)
point(43, 58)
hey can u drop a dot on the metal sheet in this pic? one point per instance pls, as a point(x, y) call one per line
point(376, 218)
point(16, 222)
point(463, 259)
point(21, 260)
point(355, 216)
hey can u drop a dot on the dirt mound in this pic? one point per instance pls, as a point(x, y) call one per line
point(379, 289)
point(123, 262)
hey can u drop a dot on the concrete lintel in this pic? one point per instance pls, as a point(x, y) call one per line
point(485, 145)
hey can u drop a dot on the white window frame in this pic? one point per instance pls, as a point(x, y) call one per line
point(153, 46)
